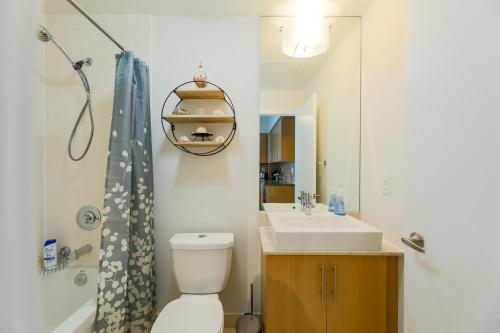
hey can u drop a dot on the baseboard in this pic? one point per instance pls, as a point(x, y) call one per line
point(230, 319)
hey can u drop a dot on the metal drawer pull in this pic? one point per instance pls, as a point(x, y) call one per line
point(334, 292)
point(322, 283)
point(415, 241)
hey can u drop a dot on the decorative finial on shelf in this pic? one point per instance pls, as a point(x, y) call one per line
point(200, 77)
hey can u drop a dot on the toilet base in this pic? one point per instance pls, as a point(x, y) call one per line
point(191, 314)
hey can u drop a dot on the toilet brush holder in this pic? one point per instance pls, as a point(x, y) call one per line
point(249, 322)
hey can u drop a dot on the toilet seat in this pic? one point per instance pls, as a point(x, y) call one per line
point(191, 314)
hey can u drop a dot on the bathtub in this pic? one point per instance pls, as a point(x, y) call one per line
point(66, 306)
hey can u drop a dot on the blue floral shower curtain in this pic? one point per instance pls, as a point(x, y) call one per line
point(126, 297)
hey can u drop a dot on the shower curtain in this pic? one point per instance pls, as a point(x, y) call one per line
point(126, 296)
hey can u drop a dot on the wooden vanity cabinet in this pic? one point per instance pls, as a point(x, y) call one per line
point(329, 294)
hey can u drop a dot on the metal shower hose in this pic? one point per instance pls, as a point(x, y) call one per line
point(87, 105)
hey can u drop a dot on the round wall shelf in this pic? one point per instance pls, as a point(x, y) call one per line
point(187, 93)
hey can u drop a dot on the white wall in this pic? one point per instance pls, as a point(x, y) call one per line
point(453, 163)
point(218, 193)
point(70, 185)
point(280, 102)
point(20, 169)
point(337, 85)
point(382, 123)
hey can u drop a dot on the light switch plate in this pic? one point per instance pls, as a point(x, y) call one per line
point(386, 187)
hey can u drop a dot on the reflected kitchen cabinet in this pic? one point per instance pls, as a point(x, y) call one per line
point(280, 193)
point(281, 145)
point(263, 147)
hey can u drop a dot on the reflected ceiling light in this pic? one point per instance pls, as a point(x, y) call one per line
point(308, 35)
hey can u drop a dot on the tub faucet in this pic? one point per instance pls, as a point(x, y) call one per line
point(81, 251)
point(68, 255)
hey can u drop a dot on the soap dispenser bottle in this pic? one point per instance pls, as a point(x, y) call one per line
point(333, 199)
point(339, 202)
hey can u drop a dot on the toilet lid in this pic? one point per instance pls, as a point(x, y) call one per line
point(191, 314)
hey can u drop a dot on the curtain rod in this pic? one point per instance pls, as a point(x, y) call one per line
point(87, 16)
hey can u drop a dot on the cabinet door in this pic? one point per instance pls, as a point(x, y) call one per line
point(287, 139)
point(280, 194)
point(263, 148)
point(293, 300)
point(362, 298)
point(270, 148)
point(276, 142)
point(272, 144)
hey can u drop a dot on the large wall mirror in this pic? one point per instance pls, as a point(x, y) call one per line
point(310, 114)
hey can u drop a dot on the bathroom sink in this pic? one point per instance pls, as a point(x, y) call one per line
point(322, 232)
point(292, 207)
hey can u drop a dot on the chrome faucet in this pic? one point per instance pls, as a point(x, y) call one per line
point(302, 198)
point(309, 204)
point(68, 255)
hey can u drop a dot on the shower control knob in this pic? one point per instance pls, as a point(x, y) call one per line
point(65, 252)
point(88, 218)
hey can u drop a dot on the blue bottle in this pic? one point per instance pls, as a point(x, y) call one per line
point(333, 199)
point(339, 202)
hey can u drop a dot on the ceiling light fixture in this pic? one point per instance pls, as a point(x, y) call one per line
point(308, 35)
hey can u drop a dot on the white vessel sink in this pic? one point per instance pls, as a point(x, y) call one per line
point(322, 232)
point(291, 207)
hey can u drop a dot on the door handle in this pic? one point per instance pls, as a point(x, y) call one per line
point(322, 283)
point(334, 274)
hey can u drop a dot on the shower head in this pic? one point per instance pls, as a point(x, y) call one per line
point(43, 34)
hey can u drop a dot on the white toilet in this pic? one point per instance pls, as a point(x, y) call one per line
point(202, 263)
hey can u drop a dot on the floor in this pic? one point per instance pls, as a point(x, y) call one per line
point(229, 330)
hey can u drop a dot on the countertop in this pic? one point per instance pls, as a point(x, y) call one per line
point(271, 183)
point(266, 241)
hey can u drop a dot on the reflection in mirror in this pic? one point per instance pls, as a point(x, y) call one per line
point(310, 116)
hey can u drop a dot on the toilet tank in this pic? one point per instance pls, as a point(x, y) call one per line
point(202, 261)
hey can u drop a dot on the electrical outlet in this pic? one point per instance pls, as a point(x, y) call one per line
point(386, 187)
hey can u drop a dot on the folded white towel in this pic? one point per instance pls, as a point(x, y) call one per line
point(218, 112)
point(220, 139)
point(184, 139)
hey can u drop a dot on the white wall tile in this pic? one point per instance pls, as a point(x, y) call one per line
point(71, 185)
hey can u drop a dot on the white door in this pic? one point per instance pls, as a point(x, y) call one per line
point(305, 147)
point(453, 168)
